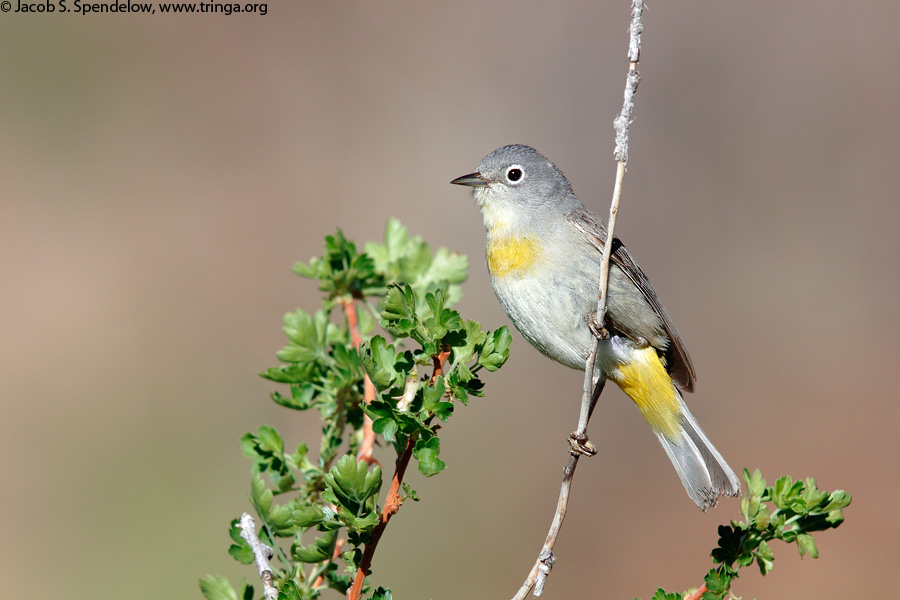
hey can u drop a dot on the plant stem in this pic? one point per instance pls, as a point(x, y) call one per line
point(367, 447)
point(391, 506)
point(698, 594)
point(394, 496)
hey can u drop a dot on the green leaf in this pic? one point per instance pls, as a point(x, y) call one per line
point(308, 515)
point(217, 588)
point(352, 484)
point(298, 459)
point(756, 485)
point(342, 270)
point(270, 441)
point(662, 595)
point(442, 320)
point(835, 517)
point(321, 549)
point(764, 558)
point(260, 496)
point(382, 594)
point(310, 271)
point(301, 397)
point(310, 337)
point(729, 545)
point(379, 360)
point(396, 242)
point(240, 549)
point(465, 349)
point(496, 350)
point(446, 267)
point(361, 524)
point(297, 374)
point(409, 493)
point(387, 427)
point(267, 451)
point(426, 453)
point(338, 581)
point(786, 492)
point(762, 518)
point(837, 500)
point(289, 591)
point(806, 544)
point(246, 591)
point(432, 400)
point(379, 408)
point(281, 519)
point(409, 260)
point(744, 559)
point(812, 496)
point(398, 316)
point(717, 582)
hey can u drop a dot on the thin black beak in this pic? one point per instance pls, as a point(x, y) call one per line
point(471, 180)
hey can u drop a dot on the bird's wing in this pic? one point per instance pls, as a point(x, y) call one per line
point(680, 367)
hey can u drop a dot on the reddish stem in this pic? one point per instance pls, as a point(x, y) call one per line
point(698, 594)
point(393, 500)
point(438, 362)
point(367, 447)
point(391, 506)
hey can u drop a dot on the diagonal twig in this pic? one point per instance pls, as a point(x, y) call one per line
point(394, 498)
point(579, 443)
point(262, 554)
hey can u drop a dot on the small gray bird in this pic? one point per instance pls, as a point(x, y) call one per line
point(544, 255)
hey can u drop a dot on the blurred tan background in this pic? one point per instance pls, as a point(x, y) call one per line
point(160, 175)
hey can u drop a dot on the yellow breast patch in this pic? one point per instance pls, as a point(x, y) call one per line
point(646, 382)
point(508, 254)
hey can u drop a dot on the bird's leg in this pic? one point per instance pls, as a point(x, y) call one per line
point(578, 440)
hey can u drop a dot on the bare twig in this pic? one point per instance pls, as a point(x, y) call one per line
point(579, 444)
point(621, 124)
point(262, 554)
point(366, 448)
point(623, 121)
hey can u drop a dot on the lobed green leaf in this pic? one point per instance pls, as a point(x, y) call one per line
point(217, 588)
point(426, 453)
point(353, 484)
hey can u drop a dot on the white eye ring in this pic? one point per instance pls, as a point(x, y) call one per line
point(514, 174)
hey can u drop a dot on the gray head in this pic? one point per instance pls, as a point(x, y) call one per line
point(521, 175)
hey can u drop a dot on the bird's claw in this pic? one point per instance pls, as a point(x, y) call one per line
point(580, 444)
point(599, 331)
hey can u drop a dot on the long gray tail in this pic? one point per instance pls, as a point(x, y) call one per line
point(705, 474)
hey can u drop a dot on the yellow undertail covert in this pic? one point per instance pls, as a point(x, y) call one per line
point(509, 254)
point(646, 382)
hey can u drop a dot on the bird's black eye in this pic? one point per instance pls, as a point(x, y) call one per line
point(514, 174)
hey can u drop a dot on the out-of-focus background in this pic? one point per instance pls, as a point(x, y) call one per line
point(161, 174)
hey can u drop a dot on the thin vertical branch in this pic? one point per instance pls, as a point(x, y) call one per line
point(579, 442)
point(366, 448)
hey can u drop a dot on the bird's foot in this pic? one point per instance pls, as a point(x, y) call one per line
point(580, 444)
point(599, 332)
